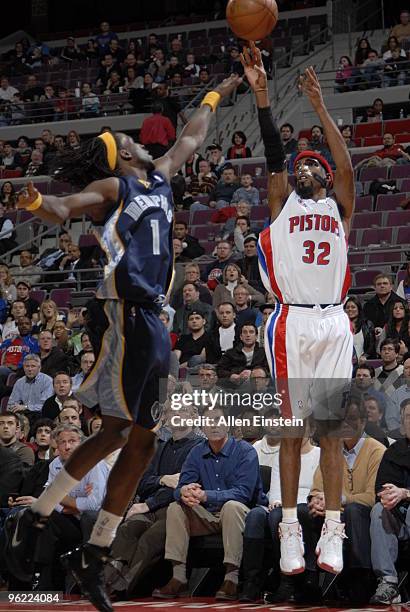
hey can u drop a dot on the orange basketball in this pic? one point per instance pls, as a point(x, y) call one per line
point(252, 19)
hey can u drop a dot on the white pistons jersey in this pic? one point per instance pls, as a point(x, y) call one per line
point(303, 253)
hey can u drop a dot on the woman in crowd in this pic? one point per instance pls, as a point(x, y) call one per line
point(393, 43)
point(132, 81)
point(231, 278)
point(7, 286)
point(48, 315)
point(345, 75)
point(347, 134)
point(23, 153)
point(397, 325)
point(73, 140)
point(8, 196)
point(364, 339)
point(61, 336)
point(362, 51)
point(238, 150)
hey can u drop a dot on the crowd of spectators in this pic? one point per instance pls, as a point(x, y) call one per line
point(147, 71)
point(371, 68)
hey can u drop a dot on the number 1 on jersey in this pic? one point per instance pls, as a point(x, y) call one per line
point(155, 236)
point(323, 255)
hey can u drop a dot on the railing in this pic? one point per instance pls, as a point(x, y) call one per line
point(76, 283)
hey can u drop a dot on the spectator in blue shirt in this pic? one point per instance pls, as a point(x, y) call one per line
point(103, 39)
point(30, 392)
point(219, 483)
point(140, 540)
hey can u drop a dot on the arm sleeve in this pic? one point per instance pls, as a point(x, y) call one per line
point(274, 151)
point(15, 396)
point(98, 478)
point(189, 472)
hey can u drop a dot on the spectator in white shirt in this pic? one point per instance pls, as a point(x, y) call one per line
point(87, 362)
point(7, 91)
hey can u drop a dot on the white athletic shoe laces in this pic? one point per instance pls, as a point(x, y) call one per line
point(291, 548)
point(330, 547)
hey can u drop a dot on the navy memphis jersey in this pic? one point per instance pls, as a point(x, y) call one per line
point(137, 239)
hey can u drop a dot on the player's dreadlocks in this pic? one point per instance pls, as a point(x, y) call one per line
point(82, 166)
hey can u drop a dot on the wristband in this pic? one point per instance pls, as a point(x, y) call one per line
point(36, 204)
point(212, 99)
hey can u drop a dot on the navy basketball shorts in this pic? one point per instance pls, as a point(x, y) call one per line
point(132, 349)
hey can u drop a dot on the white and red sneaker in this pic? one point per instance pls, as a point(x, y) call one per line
point(291, 548)
point(329, 549)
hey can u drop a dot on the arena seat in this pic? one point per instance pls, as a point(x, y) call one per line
point(356, 259)
point(400, 171)
point(352, 237)
point(403, 235)
point(250, 168)
point(363, 204)
point(363, 130)
point(397, 218)
point(38, 294)
point(366, 220)
point(372, 141)
point(61, 297)
point(182, 215)
point(372, 174)
point(405, 185)
point(402, 138)
point(259, 213)
point(202, 216)
point(376, 236)
point(397, 126)
point(365, 278)
point(201, 231)
point(386, 257)
point(389, 201)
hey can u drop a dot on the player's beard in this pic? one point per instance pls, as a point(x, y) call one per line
point(304, 191)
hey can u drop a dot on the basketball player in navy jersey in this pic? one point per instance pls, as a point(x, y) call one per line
point(308, 341)
point(129, 194)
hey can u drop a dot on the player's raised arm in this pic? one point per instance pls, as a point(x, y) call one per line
point(278, 187)
point(93, 201)
point(195, 131)
point(344, 176)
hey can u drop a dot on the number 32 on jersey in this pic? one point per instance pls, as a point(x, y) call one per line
point(316, 253)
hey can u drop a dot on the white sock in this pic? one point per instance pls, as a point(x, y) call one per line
point(59, 488)
point(333, 515)
point(232, 575)
point(104, 529)
point(289, 515)
point(179, 572)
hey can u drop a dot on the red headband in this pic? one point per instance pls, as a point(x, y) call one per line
point(320, 159)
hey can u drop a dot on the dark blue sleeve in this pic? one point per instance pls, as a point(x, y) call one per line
point(190, 471)
point(246, 478)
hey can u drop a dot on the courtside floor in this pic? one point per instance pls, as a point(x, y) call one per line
point(187, 604)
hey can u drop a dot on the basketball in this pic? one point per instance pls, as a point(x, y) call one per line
point(252, 19)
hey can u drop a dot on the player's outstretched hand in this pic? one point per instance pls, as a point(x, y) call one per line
point(27, 195)
point(251, 60)
point(228, 85)
point(310, 86)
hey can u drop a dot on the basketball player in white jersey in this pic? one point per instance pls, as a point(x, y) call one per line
point(309, 345)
